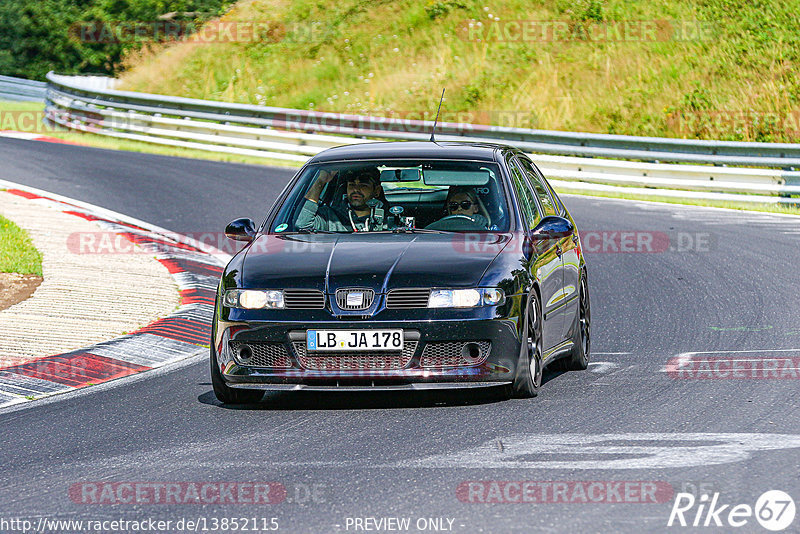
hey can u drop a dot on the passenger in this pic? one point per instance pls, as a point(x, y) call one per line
point(463, 200)
point(363, 211)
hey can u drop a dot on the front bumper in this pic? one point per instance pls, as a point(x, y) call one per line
point(297, 369)
point(422, 386)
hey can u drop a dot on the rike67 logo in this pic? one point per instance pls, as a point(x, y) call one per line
point(774, 510)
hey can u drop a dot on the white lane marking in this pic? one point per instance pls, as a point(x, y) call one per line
point(678, 369)
point(695, 360)
point(529, 451)
point(20, 135)
point(602, 367)
point(739, 351)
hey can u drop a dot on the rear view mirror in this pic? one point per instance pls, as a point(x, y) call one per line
point(241, 230)
point(400, 175)
point(553, 227)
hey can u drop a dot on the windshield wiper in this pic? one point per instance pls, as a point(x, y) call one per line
point(310, 231)
point(404, 230)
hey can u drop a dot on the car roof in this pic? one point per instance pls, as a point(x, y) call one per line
point(412, 150)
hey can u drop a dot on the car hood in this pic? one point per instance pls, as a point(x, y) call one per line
point(377, 261)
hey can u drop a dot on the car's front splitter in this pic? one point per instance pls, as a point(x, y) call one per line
point(497, 369)
point(421, 386)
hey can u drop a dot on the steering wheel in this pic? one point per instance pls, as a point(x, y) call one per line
point(455, 222)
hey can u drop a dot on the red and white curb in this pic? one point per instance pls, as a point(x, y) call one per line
point(195, 267)
point(30, 136)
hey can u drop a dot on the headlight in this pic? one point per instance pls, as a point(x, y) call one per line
point(493, 296)
point(252, 299)
point(465, 298)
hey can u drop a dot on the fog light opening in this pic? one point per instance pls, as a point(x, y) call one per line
point(471, 353)
point(245, 353)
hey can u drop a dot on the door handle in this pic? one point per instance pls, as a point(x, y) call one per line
point(575, 238)
point(558, 251)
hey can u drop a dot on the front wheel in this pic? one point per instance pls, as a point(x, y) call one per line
point(528, 377)
point(578, 359)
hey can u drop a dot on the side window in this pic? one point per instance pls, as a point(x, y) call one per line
point(548, 204)
point(525, 197)
point(560, 205)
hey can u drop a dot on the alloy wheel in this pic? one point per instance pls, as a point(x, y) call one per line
point(534, 344)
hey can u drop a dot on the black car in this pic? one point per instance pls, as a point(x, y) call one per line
point(403, 265)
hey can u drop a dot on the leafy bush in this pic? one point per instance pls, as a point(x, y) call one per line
point(440, 8)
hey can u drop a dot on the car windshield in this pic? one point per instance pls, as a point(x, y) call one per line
point(376, 196)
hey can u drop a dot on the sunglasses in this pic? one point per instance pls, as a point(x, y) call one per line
point(465, 205)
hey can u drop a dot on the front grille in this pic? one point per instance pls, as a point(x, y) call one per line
point(366, 361)
point(451, 354)
point(264, 354)
point(368, 296)
point(408, 298)
point(307, 299)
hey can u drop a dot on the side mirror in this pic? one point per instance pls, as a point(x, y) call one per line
point(241, 230)
point(553, 227)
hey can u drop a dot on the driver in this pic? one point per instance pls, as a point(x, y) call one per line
point(363, 211)
point(464, 201)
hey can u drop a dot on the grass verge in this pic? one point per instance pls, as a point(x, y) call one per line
point(17, 253)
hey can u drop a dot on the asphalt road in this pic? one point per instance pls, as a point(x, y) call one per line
point(729, 284)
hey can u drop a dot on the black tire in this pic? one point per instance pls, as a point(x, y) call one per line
point(225, 394)
point(578, 359)
point(528, 377)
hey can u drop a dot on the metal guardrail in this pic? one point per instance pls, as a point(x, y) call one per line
point(296, 135)
point(653, 149)
point(21, 89)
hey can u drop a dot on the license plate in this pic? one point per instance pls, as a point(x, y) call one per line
point(354, 340)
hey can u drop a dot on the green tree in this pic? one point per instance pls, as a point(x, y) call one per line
point(37, 37)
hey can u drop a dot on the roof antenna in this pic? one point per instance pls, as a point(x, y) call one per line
point(437, 117)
